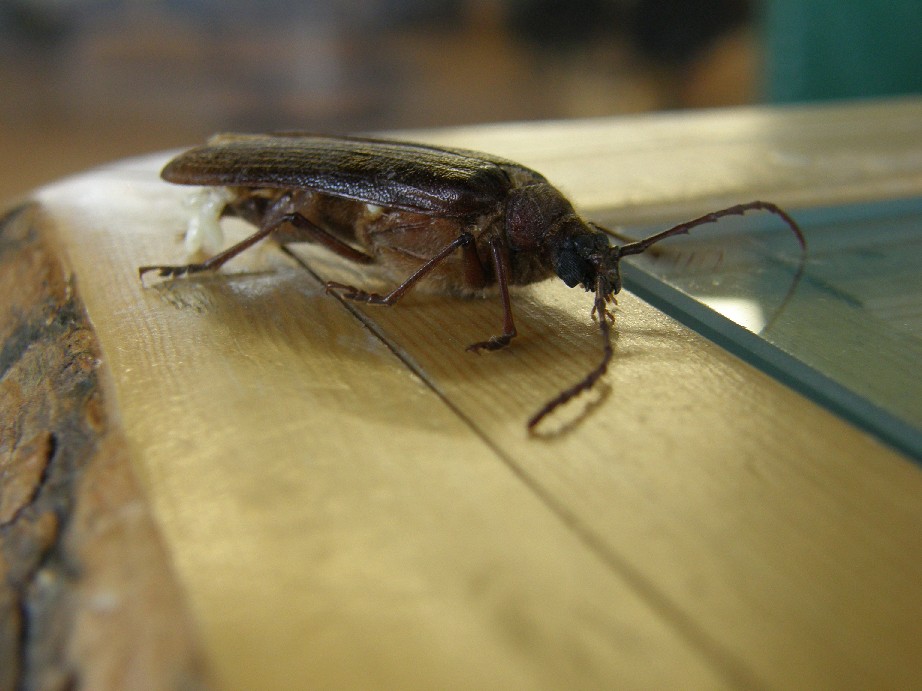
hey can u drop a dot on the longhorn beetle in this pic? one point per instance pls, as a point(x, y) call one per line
point(452, 220)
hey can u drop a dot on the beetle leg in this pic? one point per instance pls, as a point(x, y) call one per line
point(352, 293)
point(474, 277)
point(320, 236)
point(501, 267)
point(214, 262)
point(313, 231)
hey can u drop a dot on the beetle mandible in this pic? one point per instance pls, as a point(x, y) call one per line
point(453, 220)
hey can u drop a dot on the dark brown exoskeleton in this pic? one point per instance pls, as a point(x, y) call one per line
point(452, 220)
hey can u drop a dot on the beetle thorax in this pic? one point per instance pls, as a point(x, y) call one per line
point(534, 214)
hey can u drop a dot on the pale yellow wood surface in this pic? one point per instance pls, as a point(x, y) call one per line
point(355, 502)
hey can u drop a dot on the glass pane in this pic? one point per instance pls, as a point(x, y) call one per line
point(842, 324)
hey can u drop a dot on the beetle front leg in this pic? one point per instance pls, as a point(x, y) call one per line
point(352, 293)
point(501, 268)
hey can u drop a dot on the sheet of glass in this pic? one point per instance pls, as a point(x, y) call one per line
point(842, 324)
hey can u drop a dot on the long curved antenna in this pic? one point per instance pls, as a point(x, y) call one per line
point(738, 210)
point(600, 308)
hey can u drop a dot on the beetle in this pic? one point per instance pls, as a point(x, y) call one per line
point(445, 219)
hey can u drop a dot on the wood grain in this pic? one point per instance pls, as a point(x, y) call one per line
point(349, 498)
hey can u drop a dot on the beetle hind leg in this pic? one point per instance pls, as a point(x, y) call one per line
point(358, 295)
point(311, 232)
point(212, 263)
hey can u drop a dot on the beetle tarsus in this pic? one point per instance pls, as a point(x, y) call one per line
point(172, 271)
point(494, 343)
point(355, 294)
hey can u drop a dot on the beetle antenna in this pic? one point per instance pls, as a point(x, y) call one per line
point(738, 210)
point(599, 308)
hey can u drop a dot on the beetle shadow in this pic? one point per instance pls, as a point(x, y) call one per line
point(547, 334)
point(590, 401)
point(221, 299)
point(199, 292)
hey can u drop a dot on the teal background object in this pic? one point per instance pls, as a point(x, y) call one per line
point(838, 49)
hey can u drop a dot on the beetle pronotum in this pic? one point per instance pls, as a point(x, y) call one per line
point(454, 220)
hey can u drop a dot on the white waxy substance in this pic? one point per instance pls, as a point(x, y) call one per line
point(204, 230)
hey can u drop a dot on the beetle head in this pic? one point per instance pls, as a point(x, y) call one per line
point(585, 257)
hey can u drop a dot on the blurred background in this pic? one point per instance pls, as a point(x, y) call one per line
point(87, 81)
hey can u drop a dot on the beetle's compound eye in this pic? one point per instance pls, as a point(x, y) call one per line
point(578, 258)
point(570, 266)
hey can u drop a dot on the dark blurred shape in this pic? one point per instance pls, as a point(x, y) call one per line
point(36, 23)
point(551, 25)
point(675, 32)
point(86, 81)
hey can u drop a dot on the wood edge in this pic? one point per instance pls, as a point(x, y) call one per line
point(87, 594)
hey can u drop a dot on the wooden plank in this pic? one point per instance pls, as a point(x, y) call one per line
point(697, 523)
point(752, 517)
point(332, 521)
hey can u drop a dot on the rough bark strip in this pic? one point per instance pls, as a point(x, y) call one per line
point(87, 598)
